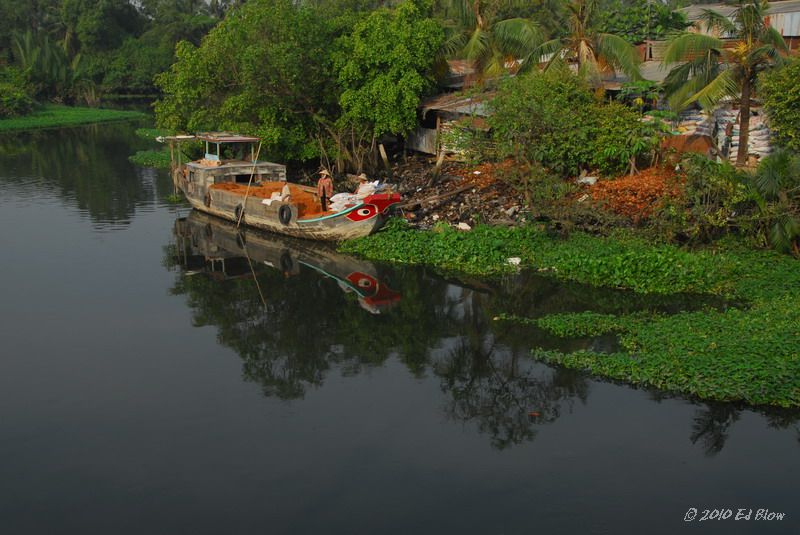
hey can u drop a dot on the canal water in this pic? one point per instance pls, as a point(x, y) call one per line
point(162, 373)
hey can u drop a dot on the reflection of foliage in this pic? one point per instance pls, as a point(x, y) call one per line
point(711, 426)
point(441, 327)
point(503, 393)
point(87, 166)
point(286, 358)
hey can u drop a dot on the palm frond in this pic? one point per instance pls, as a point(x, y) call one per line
point(517, 37)
point(453, 45)
point(686, 46)
point(620, 54)
point(724, 85)
point(464, 12)
point(771, 36)
point(545, 52)
point(785, 230)
point(679, 98)
point(715, 21)
point(476, 47)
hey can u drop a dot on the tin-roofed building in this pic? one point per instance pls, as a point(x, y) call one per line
point(783, 16)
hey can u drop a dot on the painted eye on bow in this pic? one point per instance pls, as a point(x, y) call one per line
point(365, 212)
point(362, 281)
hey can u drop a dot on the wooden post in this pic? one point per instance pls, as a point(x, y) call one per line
point(385, 159)
point(247, 191)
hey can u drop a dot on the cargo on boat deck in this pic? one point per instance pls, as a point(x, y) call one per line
point(225, 183)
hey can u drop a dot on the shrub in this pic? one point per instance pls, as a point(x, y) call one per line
point(546, 118)
point(714, 196)
point(776, 188)
point(551, 118)
point(781, 94)
point(15, 99)
point(622, 140)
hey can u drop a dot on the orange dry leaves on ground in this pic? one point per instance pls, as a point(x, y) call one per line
point(638, 196)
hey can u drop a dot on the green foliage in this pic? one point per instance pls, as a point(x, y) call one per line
point(151, 158)
point(731, 355)
point(386, 64)
point(781, 95)
point(264, 70)
point(746, 353)
point(639, 20)
point(621, 262)
point(51, 116)
point(546, 118)
point(709, 70)
point(641, 94)
point(152, 133)
point(585, 45)
point(552, 119)
point(714, 197)
point(582, 324)
point(489, 34)
point(15, 98)
point(622, 138)
point(776, 189)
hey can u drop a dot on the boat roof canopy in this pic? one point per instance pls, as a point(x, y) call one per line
point(226, 137)
point(212, 137)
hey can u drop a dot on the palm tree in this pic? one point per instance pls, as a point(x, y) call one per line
point(776, 189)
point(710, 71)
point(491, 45)
point(594, 53)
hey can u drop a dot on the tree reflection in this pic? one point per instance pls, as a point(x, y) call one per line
point(293, 327)
point(711, 426)
point(88, 166)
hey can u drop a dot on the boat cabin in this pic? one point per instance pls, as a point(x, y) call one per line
point(228, 159)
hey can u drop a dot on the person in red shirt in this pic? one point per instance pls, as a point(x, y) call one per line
point(324, 189)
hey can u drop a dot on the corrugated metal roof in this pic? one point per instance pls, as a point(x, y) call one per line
point(695, 11)
point(783, 16)
point(459, 103)
point(787, 24)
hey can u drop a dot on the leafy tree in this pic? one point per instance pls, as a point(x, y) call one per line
point(97, 25)
point(710, 71)
point(50, 73)
point(594, 52)
point(265, 70)
point(386, 64)
point(623, 139)
point(781, 95)
point(640, 20)
point(545, 118)
point(480, 35)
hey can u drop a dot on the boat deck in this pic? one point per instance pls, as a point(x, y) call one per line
point(307, 202)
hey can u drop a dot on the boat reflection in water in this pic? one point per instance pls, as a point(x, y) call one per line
point(209, 245)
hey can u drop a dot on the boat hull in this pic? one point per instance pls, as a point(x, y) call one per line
point(355, 222)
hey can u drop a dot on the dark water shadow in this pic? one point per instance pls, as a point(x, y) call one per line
point(296, 311)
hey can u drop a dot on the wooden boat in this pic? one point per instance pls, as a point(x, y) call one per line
point(208, 245)
point(230, 182)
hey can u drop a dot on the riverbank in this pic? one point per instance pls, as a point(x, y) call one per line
point(747, 353)
point(54, 116)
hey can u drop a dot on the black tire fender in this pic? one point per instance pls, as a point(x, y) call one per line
point(207, 199)
point(285, 214)
point(239, 213)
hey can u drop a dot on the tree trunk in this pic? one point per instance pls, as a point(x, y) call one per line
point(744, 124)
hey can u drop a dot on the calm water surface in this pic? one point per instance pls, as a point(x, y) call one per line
point(162, 374)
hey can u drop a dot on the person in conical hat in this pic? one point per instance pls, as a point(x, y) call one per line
point(324, 188)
